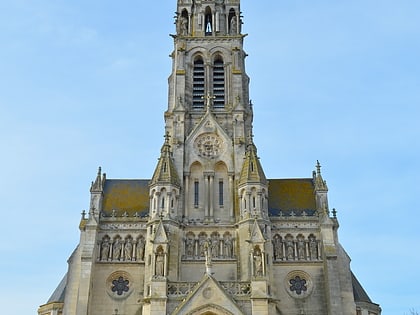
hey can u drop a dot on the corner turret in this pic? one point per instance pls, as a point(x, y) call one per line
point(252, 185)
point(164, 186)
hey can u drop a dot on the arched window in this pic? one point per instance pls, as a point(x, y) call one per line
point(198, 84)
point(218, 83)
point(208, 22)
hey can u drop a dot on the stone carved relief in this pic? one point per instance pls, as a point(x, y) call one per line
point(120, 249)
point(216, 246)
point(295, 249)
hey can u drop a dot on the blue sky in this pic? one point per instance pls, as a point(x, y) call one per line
point(84, 84)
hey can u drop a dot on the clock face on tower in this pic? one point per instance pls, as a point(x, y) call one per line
point(208, 145)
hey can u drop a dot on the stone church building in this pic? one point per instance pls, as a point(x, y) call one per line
point(209, 233)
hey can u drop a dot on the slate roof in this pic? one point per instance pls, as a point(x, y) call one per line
point(359, 293)
point(132, 195)
point(59, 292)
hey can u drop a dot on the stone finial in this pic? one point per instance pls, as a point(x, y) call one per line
point(97, 185)
point(320, 184)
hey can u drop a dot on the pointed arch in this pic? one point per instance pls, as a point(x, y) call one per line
point(198, 83)
point(218, 83)
point(208, 21)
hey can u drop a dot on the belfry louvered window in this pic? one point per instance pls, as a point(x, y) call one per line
point(198, 84)
point(218, 84)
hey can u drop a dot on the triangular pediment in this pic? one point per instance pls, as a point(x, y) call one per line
point(208, 297)
point(207, 124)
point(160, 236)
point(257, 236)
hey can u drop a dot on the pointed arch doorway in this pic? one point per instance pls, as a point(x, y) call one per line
point(210, 309)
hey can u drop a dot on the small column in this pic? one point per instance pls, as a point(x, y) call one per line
point(259, 208)
point(187, 195)
point(232, 195)
point(168, 204)
point(205, 197)
point(248, 201)
point(211, 196)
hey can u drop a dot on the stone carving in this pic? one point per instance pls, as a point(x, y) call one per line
point(140, 248)
point(128, 249)
point(258, 263)
point(160, 262)
point(202, 241)
point(313, 248)
point(278, 247)
point(228, 246)
point(117, 247)
point(189, 245)
point(233, 25)
point(214, 245)
point(105, 248)
point(290, 251)
point(301, 248)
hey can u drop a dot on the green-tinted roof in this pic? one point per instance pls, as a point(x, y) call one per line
point(126, 195)
point(291, 194)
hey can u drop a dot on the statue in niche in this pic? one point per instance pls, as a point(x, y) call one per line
point(189, 245)
point(228, 246)
point(128, 249)
point(202, 242)
point(277, 247)
point(105, 249)
point(116, 254)
point(207, 252)
point(289, 249)
point(258, 270)
point(301, 248)
point(160, 263)
point(214, 246)
point(313, 248)
point(140, 248)
point(183, 25)
point(233, 25)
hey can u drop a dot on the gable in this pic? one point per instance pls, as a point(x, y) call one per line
point(207, 298)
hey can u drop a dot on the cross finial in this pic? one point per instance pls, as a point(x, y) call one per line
point(83, 214)
point(318, 167)
point(208, 97)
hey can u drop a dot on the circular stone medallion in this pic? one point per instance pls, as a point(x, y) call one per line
point(208, 145)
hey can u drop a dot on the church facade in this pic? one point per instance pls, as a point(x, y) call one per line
point(209, 233)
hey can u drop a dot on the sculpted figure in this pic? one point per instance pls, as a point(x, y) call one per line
point(128, 249)
point(105, 249)
point(116, 254)
point(201, 243)
point(214, 247)
point(233, 25)
point(140, 248)
point(301, 248)
point(313, 248)
point(189, 246)
point(160, 263)
point(277, 247)
point(289, 249)
point(228, 246)
point(258, 264)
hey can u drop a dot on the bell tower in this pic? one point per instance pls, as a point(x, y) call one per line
point(209, 113)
